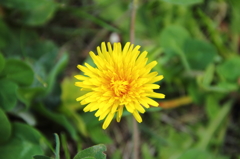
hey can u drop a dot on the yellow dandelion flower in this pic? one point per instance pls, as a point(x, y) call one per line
point(122, 79)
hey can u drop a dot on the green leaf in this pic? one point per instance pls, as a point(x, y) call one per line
point(59, 66)
point(2, 62)
point(235, 17)
point(26, 95)
point(200, 154)
point(70, 92)
point(196, 154)
point(196, 93)
point(24, 143)
point(95, 152)
point(208, 75)
point(58, 118)
point(41, 157)
point(18, 72)
point(212, 106)
point(199, 53)
point(8, 98)
point(5, 34)
point(224, 87)
point(30, 12)
point(57, 148)
point(184, 2)
point(214, 125)
point(229, 69)
point(5, 127)
point(65, 146)
point(173, 37)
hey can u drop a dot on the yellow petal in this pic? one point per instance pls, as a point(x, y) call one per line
point(156, 95)
point(155, 79)
point(151, 102)
point(137, 116)
point(151, 86)
point(108, 120)
point(144, 103)
point(129, 108)
point(104, 114)
point(119, 113)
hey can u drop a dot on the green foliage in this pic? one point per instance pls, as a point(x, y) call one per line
point(31, 12)
point(57, 149)
point(229, 69)
point(8, 98)
point(198, 154)
point(199, 53)
point(184, 2)
point(2, 62)
point(94, 152)
point(5, 127)
point(18, 72)
point(59, 119)
point(196, 45)
point(41, 157)
point(24, 143)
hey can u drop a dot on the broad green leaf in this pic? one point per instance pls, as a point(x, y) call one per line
point(8, 98)
point(18, 72)
point(41, 157)
point(229, 69)
point(35, 12)
point(59, 119)
point(2, 62)
point(199, 53)
point(45, 52)
point(96, 152)
point(23, 144)
point(5, 127)
point(184, 2)
point(173, 37)
point(18, 43)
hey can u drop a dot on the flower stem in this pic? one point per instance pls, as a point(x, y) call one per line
point(132, 38)
point(135, 139)
point(132, 22)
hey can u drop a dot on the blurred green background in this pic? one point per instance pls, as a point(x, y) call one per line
point(196, 44)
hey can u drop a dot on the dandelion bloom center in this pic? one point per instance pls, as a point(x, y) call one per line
point(121, 79)
point(119, 87)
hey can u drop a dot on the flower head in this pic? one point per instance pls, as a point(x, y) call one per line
point(121, 79)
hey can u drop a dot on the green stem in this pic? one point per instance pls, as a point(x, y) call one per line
point(132, 38)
